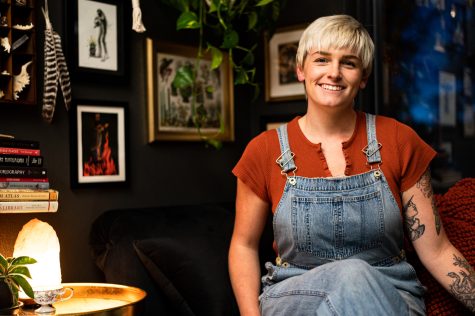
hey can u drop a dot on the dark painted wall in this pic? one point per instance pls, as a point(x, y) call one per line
point(160, 174)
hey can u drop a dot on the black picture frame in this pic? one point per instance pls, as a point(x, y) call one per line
point(98, 139)
point(87, 59)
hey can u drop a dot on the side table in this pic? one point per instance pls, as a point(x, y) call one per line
point(97, 299)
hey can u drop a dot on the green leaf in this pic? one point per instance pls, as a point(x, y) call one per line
point(209, 89)
point(241, 76)
point(187, 20)
point(217, 144)
point(231, 39)
point(263, 3)
point(183, 77)
point(251, 20)
point(248, 59)
point(20, 270)
point(3, 264)
point(23, 283)
point(23, 260)
point(213, 6)
point(216, 56)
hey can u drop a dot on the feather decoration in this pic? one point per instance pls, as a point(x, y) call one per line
point(56, 70)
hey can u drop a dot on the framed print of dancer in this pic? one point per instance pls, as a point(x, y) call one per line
point(97, 35)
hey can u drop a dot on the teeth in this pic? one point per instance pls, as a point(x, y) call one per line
point(333, 88)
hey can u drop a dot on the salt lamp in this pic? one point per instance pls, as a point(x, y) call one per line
point(37, 239)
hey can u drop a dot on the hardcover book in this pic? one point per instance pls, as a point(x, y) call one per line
point(19, 151)
point(28, 206)
point(19, 143)
point(11, 179)
point(24, 185)
point(21, 160)
point(28, 195)
point(23, 172)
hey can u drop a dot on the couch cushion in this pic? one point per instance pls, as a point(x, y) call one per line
point(176, 263)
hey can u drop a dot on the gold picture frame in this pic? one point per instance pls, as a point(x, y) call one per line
point(170, 110)
point(280, 58)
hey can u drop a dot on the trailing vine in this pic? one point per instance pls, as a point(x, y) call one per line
point(233, 26)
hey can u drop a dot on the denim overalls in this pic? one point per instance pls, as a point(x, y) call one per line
point(340, 244)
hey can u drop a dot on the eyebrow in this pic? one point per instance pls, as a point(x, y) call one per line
point(324, 53)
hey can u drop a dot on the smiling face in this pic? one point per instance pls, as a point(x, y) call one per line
point(332, 77)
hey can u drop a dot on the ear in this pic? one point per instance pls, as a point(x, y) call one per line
point(363, 83)
point(300, 74)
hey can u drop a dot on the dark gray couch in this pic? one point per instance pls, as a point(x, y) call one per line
point(178, 254)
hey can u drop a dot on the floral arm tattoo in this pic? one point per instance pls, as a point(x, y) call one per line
point(424, 184)
point(413, 225)
point(463, 285)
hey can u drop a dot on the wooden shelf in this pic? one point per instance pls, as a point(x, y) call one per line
point(18, 52)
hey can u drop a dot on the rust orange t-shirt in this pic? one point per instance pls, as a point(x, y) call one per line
point(405, 157)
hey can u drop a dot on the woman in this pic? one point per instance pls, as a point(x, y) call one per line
point(341, 184)
point(100, 21)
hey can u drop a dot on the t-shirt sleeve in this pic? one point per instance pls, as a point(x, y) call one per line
point(416, 156)
point(253, 167)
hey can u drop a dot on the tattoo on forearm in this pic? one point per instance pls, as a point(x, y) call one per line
point(424, 184)
point(463, 285)
point(413, 225)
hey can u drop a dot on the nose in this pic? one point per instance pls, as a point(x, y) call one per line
point(334, 71)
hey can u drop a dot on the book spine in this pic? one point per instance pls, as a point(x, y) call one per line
point(19, 151)
point(24, 185)
point(23, 172)
point(28, 195)
point(19, 143)
point(3, 179)
point(21, 160)
point(29, 207)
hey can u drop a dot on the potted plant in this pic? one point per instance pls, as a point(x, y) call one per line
point(13, 277)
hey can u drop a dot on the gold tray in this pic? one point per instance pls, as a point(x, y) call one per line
point(99, 299)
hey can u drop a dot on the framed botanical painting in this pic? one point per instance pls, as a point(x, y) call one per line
point(96, 39)
point(281, 76)
point(203, 109)
point(98, 143)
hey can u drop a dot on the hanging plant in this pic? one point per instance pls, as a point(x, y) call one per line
point(233, 26)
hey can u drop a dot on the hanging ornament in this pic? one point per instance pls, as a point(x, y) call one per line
point(137, 24)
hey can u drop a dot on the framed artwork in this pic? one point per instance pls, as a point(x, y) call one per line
point(281, 77)
point(171, 110)
point(98, 143)
point(96, 39)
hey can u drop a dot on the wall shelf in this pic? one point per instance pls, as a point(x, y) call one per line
point(18, 52)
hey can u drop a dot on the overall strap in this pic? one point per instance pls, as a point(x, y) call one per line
point(286, 159)
point(372, 149)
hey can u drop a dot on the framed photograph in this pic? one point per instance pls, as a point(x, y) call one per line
point(171, 110)
point(98, 143)
point(96, 39)
point(281, 77)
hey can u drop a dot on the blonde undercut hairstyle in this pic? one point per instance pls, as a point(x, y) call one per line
point(337, 32)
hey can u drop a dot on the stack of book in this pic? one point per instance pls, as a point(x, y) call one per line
point(24, 183)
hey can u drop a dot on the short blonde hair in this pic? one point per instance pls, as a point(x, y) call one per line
point(337, 32)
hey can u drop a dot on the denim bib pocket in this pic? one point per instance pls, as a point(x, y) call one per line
point(337, 226)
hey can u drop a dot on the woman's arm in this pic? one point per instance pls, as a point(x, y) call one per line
point(424, 227)
point(244, 270)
